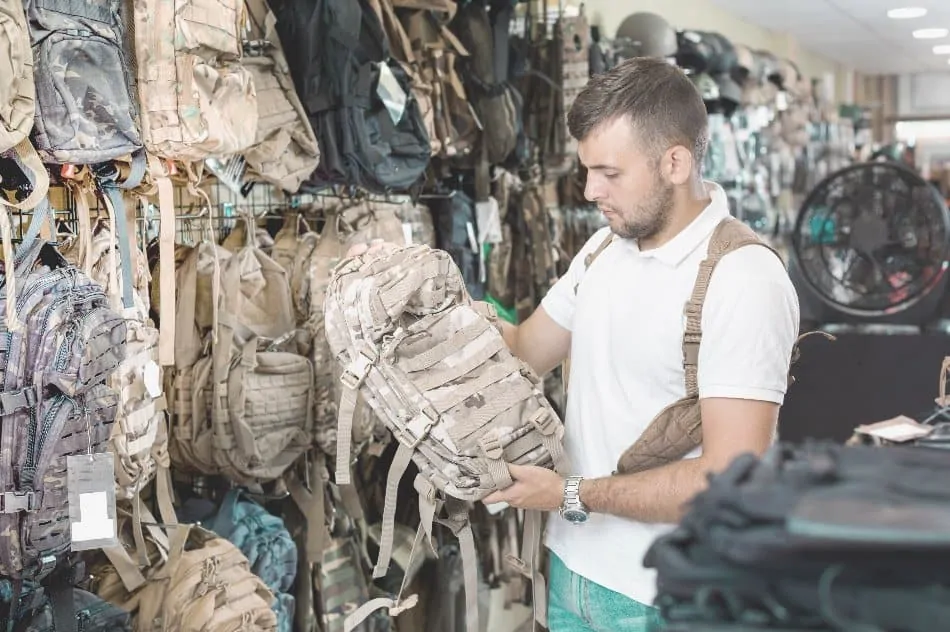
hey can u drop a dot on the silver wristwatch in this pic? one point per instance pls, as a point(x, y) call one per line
point(573, 510)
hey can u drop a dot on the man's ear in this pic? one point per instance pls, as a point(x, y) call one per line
point(677, 165)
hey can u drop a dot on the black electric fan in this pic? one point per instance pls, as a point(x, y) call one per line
point(871, 244)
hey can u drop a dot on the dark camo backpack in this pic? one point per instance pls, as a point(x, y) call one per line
point(61, 344)
point(85, 111)
point(91, 613)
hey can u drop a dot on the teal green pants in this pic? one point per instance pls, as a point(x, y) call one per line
point(576, 604)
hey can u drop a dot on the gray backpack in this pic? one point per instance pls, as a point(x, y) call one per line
point(85, 111)
point(60, 343)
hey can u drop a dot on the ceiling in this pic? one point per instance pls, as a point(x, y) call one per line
point(856, 33)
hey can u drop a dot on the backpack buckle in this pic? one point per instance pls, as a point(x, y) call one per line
point(357, 370)
point(13, 502)
point(544, 422)
point(491, 446)
point(418, 428)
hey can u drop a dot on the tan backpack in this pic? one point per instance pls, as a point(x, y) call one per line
point(430, 48)
point(18, 99)
point(196, 98)
point(677, 429)
point(206, 585)
point(285, 152)
point(245, 408)
point(436, 370)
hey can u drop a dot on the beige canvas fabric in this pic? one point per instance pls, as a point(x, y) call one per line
point(285, 150)
point(196, 98)
point(435, 369)
point(206, 585)
point(17, 88)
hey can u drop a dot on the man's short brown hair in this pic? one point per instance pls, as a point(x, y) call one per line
point(660, 101)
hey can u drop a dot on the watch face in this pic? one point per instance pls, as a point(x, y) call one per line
point(574, 516)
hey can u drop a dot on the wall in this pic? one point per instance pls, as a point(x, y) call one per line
point(703, 14)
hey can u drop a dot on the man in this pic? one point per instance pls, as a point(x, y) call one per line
point(642, 133)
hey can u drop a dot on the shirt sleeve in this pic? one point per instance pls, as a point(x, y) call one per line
point(560, 299)
point(750, 323)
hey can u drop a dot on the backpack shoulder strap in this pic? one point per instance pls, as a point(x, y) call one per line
point(589, 259)
point(730, 235)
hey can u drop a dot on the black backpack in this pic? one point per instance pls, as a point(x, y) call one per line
point(340, 61)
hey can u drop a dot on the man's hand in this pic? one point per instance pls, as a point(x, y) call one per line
point(533, 488)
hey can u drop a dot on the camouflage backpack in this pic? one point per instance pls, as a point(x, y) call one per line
point(61, 342)
point(343, 229)
point(85, 110)
point(197, 99)
point(435, 369)
point(139, 439)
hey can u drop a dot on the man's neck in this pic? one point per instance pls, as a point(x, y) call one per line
point(689, 203)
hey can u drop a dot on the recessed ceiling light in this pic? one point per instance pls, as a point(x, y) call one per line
point(906, 13)
point(930, 33)
point(943, 49)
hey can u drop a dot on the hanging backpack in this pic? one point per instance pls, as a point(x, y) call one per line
point(85, 109)
point(61, 342)
point(456, 232)
point(285, 151)
point(90, 612)
point(261, 537)
point(17, 87)
point(205, 584)
point(197, 99)
point(434, 368)
point(359, 99)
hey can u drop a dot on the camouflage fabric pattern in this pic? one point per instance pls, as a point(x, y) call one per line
point(343, 229)
point(197, 100)
point(432, 365)
point(67, 345)
point(17, 88)
point(85, 109)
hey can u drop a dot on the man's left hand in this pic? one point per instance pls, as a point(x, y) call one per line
point(533, 488)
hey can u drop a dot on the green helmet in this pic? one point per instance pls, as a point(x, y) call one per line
point(645, 34)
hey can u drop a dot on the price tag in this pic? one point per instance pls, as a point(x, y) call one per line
point(151, 375)
point(407, 233)
point(90, 481)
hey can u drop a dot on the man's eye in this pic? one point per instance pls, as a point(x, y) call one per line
point(610, 176)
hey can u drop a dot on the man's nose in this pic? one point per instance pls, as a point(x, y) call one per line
point(592, 189)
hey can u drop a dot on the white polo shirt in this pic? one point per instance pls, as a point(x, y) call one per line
point(627, 364)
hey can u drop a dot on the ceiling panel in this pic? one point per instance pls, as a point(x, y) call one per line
point(857, 33)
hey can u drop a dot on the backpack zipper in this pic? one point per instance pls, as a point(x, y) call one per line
point(35, 443)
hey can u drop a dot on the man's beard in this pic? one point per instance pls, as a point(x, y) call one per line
point(650, 217)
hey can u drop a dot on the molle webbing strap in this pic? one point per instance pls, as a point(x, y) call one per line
point(731, 234)
point(589, 259)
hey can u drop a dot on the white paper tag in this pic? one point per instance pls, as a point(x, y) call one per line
point(90, 481)
point(391, 93)
point(407, 233)
point(899, 429)
point(496, 508)
point(151, 375)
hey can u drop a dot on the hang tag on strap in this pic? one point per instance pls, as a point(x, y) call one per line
point(90, 479)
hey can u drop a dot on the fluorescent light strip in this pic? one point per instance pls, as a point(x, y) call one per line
point(907, 13)
point(930, 33)
point(942, 49)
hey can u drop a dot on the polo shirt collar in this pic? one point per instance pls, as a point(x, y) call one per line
point(675, 251)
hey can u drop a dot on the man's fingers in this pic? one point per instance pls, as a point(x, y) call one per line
point(356, 250)
point(494, 497)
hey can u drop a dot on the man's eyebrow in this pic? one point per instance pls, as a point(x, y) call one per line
point(601, 168)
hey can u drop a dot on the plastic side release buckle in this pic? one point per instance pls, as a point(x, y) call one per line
point(13, 502)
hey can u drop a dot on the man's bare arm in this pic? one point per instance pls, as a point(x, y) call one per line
point(539, 341)
point(730, 427)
